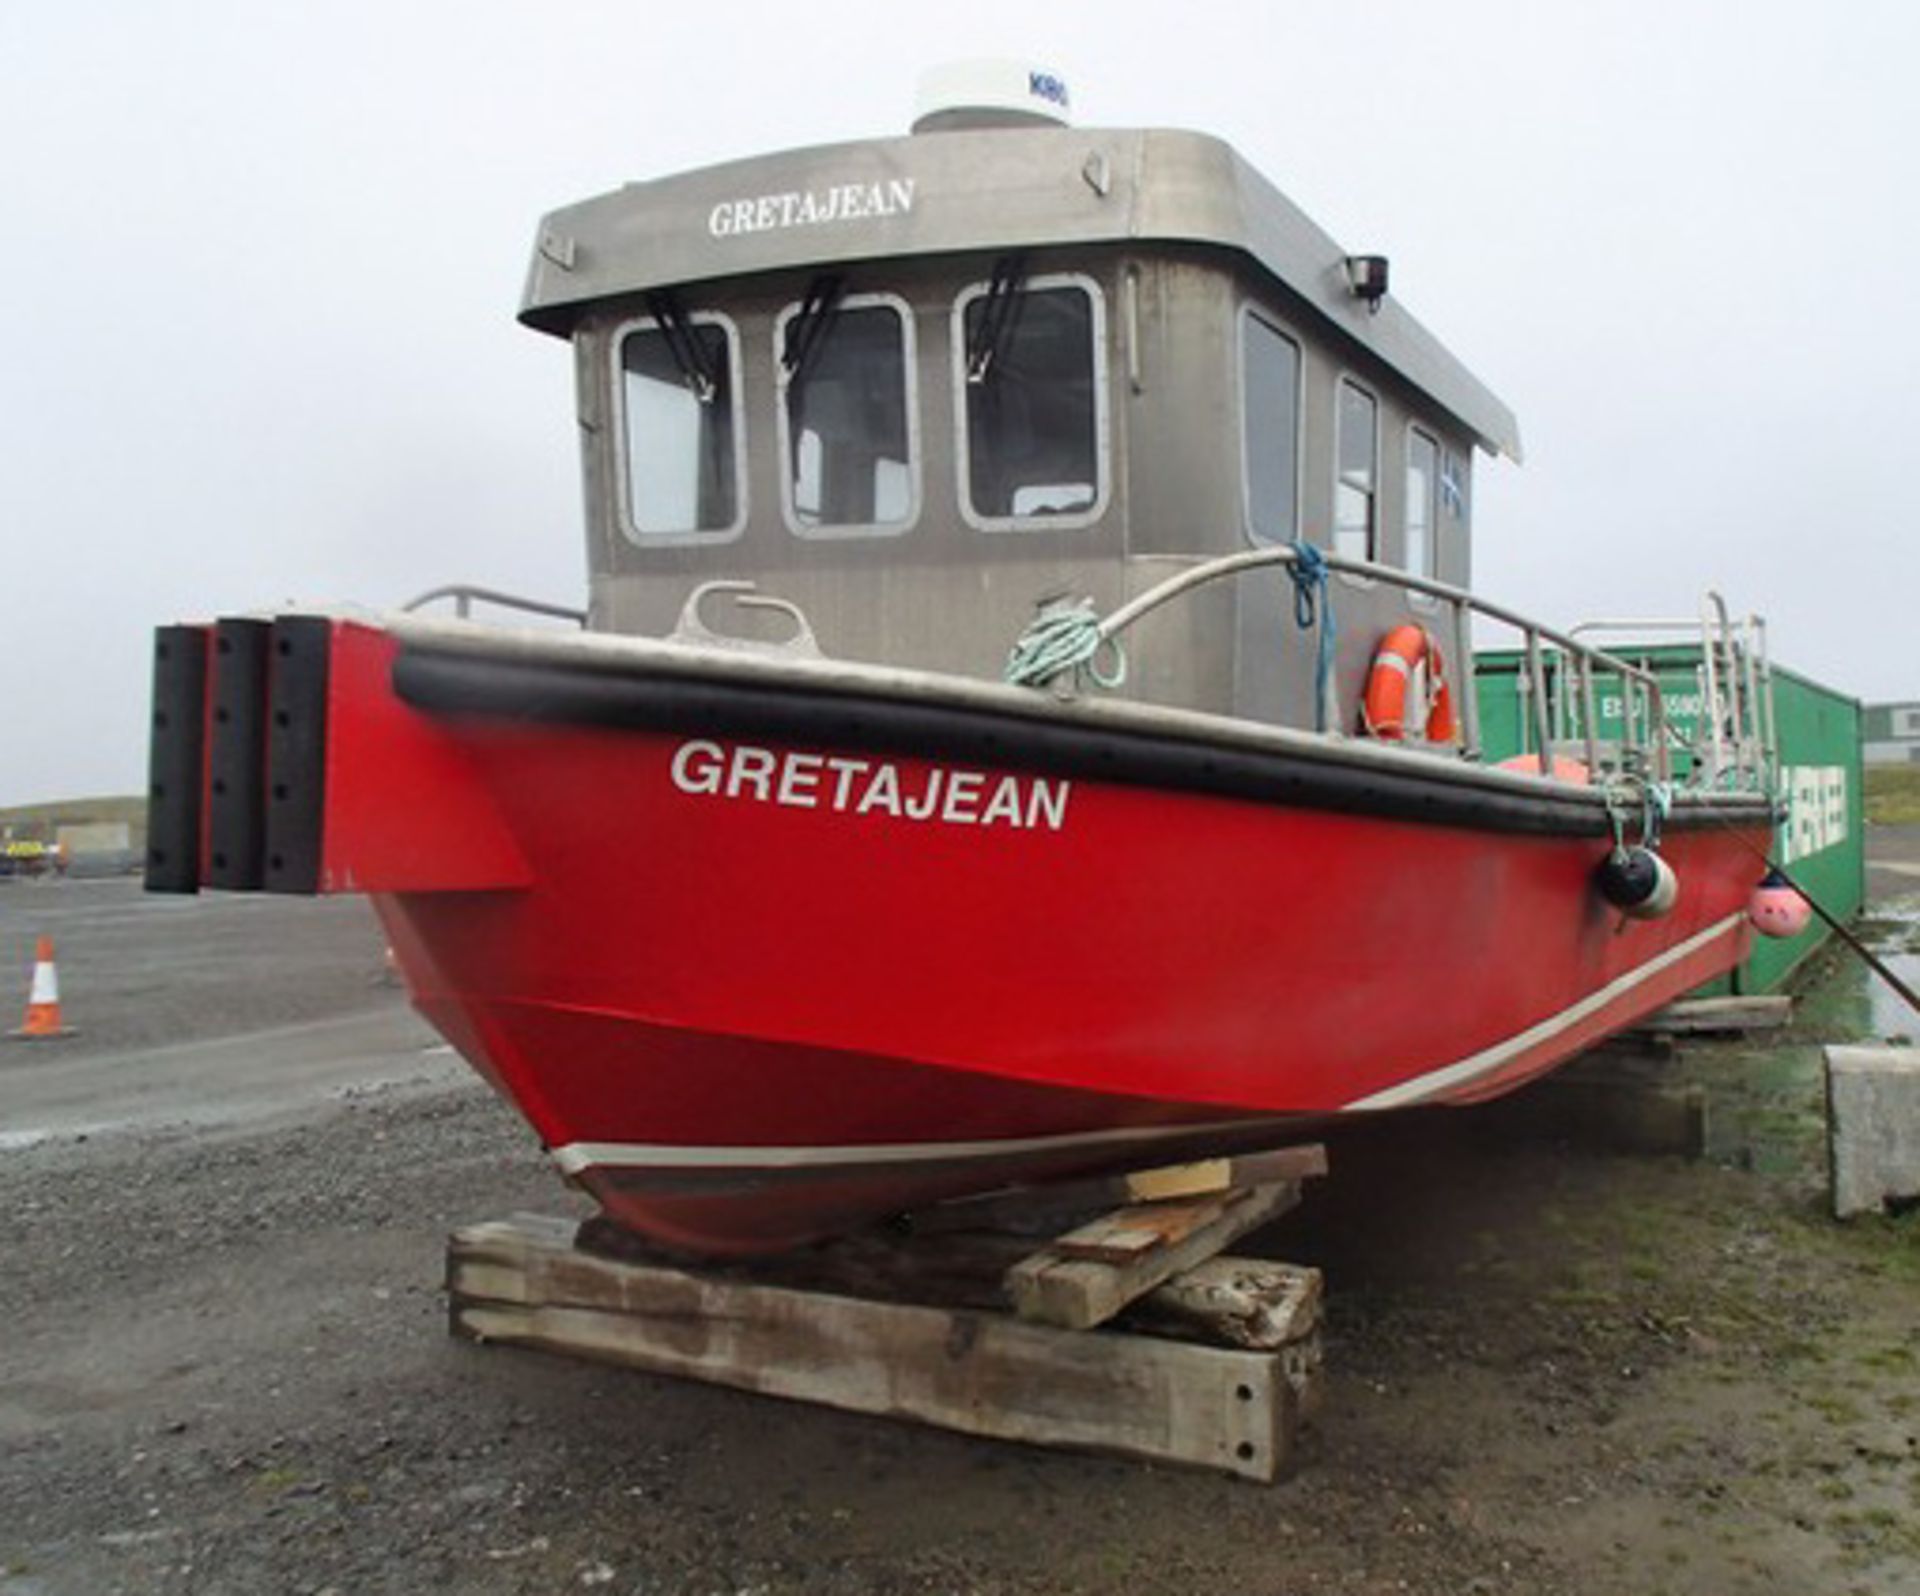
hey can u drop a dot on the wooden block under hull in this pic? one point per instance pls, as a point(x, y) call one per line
point(1089, 1275)
point(521, 1281)
point(1047, 1209)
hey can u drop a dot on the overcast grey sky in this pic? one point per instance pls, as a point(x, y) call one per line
point(261, 261)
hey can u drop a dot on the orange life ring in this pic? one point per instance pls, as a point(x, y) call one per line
point(1384, 710)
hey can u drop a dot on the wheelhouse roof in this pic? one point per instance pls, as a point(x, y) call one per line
point(1003, 188)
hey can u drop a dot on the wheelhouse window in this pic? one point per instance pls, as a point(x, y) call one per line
point(1355, 495)
point(1270, 429)
point(679, 407)
point(1423, 501)
point(848, 433)
point(1033, 413)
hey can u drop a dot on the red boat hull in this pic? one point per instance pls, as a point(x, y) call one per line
point(742, 1023)
point(753, 990)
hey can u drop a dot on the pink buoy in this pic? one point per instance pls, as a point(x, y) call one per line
point(1776, 910)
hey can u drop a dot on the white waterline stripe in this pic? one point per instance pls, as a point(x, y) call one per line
point(1490, 1059)
point(577, 1156)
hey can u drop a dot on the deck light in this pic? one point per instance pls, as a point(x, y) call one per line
point(1367, 277)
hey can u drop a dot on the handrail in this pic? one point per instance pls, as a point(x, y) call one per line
point(1723, 684)
point(1755, 628)
point(463, 595)
point(1534, 633)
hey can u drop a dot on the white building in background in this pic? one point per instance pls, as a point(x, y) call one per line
point(1890, 734)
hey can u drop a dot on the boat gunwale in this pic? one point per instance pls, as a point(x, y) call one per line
point(463, 669)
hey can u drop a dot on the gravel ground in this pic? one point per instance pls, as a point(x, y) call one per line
point(225, 1369)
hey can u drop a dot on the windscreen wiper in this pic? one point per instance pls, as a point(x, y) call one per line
point(996, 317)
point(807, 329)
point(689, 353)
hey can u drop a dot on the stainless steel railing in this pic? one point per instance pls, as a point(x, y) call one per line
point(464, 595)
point(1644, 747)
point(1735, 740)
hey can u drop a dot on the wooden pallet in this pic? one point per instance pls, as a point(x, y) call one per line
point(1200, 1359)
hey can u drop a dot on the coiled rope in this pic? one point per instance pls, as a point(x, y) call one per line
point(1065, 639)
point(1062, 645)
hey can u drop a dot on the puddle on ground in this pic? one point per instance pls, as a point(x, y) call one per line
point(1860, 997)
point(1767, 1097)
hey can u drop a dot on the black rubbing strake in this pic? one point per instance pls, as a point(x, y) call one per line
point(447, 683)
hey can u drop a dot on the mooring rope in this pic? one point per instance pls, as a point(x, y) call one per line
point(1313, 605)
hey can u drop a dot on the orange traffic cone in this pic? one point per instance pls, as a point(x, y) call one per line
point(43, 998)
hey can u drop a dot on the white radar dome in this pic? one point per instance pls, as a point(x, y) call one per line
point(969, 94)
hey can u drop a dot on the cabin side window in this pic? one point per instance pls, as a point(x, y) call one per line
point(1423, 500)
point(849, 435)
point(1270, 429)
point(1356, 497)
point(677, 397)
point(1030, 374)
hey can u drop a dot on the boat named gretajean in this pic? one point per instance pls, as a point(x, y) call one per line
point(1022, 723)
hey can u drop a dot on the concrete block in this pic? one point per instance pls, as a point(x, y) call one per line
point(1873, 1126)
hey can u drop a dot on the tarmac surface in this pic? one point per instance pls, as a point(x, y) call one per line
point(1893, 862)
point(224, 1365)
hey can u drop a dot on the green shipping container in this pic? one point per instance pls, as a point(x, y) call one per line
point(1821, 840)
